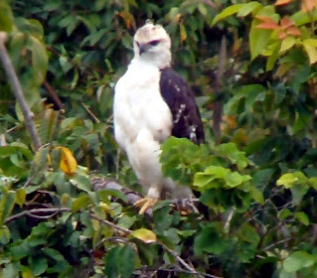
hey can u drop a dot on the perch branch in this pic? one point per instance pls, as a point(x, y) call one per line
point(17, 91)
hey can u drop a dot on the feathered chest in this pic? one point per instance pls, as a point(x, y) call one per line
point(139, 106)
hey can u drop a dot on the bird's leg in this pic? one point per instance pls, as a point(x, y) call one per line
point(148, 201)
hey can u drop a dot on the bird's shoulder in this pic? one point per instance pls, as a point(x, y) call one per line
point(181, 100)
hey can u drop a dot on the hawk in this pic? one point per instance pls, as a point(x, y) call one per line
point(151, 103)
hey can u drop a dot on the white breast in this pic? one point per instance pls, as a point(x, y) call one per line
point(138, 105)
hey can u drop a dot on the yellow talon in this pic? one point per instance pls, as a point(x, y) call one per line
point(145, 203)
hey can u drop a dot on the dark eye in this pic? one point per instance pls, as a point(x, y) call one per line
point(155, 42)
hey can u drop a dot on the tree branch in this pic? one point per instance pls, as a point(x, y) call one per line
point(17, 91)
point(53, 95)
point(33, 213)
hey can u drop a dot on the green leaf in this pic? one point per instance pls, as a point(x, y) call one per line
point(82, 182)
point(233, 179)
point(4, 235)
point(257, 195)
point(227, 12)
point(126, 261)
point(20, 251)
point(302, 217)
point(230, 151)
point(6, 205)
point(105, 194)
point(47, 125)
point(253, 6)
point(39, 59)
point(301, 18)
point(11, 270)
point(290, 179)
point(248, 233)
point(298, 260)
point(39, 266)
point(298, 192)
point(54, 254)
point(162, 219)
point(313, 182)
point(6, 17)
point(202, 179)
point(273, 56)
point(111, 260)
point(81, 203)
point(14, 148)
point(261, 178)
point(20, 196)
point(287, 43)
point(284, 213)
point(258, 39)
point(311, 50)
point(210, 240)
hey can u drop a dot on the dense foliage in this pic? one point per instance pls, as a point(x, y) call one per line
point(252, 67)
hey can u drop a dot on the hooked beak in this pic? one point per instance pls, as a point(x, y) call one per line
point(143, 48)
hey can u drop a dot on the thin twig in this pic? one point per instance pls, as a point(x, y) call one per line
point(110, 224)
point(229, 218)
point(179, 259)
point(276, 243)
point(188, 272)
point(53, 95)
point(33, 212)
point(17, 91)
point(53, 211)
point(91, 113)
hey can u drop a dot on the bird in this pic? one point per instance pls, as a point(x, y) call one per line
point(152, 103)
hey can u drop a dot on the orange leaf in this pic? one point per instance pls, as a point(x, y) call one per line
point(293, 31)
point(68, 163)
point(268, 26)
point(282, 2)
point(308, 5)
point(267, 23)
point(286, 22)
point(281, 35)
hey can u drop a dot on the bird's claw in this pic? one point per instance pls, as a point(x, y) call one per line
point(145, 203)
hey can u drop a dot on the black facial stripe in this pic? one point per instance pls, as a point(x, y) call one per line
point(154, 42)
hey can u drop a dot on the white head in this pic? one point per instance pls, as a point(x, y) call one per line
point(152, 45)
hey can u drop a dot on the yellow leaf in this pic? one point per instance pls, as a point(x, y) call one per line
point(287, 44)
point(105, 207)
point(311, 51)
point(312, 42)
point(68, 163)
point(182, 32)
point(145, 235)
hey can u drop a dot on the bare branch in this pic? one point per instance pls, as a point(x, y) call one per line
point(110, 224)
point(179, 259)
point(34, 212)
point(276, 243)
point(17, 91)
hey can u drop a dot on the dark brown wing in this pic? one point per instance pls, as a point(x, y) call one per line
point(181, 101)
